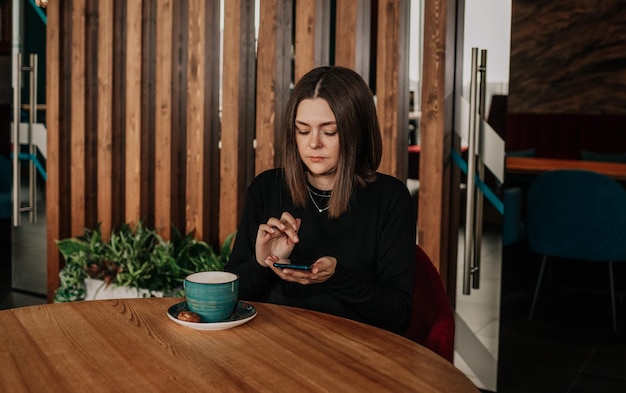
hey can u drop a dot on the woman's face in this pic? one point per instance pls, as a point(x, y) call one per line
point(317, 141)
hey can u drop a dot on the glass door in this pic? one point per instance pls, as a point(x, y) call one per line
point(484, 52)
point(29, 149)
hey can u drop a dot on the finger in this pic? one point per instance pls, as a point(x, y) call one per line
point(276, 224)
point(285, 226)
point(286, 276)
point(286, 217)
point(270, 259)
point(297, 275)
point(267, 229)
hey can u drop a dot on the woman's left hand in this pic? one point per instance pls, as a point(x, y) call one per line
point(321, 270)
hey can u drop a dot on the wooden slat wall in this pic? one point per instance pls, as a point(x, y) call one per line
point(237, 111)
point(104, 125)
point(163, 123)
point(213, 128)
point(195, 118)
point(311, 29)
point(132, 142)
point(392, 85)
point(77, 123)
point(134, 115)
point(53, 184)
point(439, 178)
point(352, 38)
point(91, 109)
point(148, 110)
point(273, 76)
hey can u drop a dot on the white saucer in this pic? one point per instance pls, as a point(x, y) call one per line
point(243, 313)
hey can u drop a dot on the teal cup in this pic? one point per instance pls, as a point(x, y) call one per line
point(212, 295)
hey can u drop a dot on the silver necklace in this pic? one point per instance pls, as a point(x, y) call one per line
point(311, 192)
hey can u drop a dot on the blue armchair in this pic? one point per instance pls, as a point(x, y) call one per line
point(5, 187)
point(577, 214)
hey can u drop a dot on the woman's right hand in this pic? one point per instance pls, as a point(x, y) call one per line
point(277, 237)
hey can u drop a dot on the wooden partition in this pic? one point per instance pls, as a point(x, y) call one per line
point(155, 114)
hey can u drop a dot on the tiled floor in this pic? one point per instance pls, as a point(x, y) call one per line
point(477, 314)
point(569, 347)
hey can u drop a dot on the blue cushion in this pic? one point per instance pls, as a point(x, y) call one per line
point(5, 174)
point(522, 153)
point(587, 155)
point(577, 214)
point(5, 187)
point(5, 205)
point(512, 227)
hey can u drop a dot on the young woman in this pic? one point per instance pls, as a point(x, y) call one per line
point(329, 208)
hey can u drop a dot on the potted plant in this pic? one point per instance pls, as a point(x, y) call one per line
point(138, 262)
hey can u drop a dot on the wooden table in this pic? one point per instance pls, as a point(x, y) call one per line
point(131, 345)
point(533, 165)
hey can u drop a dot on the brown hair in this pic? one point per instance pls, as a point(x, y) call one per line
point(360, 142)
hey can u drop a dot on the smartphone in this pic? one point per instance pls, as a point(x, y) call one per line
point(298, 265)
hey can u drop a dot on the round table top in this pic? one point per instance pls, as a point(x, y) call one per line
point(132, 345)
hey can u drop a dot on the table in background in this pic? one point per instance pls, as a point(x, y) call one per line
point(534, 165)
point(131, 345)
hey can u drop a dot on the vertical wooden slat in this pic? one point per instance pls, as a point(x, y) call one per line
point(77, 122)
point(352, 36)
point(345, 35)
point(401, 139)
point(148, 111)
point(238, 112)
point(118, 137)
point(230, 119)
point(105, 101)
point(212, 124)
point(312, 35)
point(247, 54)
point(273, 79)
point(65, 118)
point(195, 117)
point(52, 142)
point(391, 86)
point(305, 38)
point(284, 66)
point(438, 187)
point(91, 113)
point(180, 49)
point(133, 111)
point(163, 123)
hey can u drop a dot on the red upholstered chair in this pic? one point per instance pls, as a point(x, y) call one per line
point(432, 320)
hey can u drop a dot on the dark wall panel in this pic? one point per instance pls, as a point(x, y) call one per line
point(568, 56)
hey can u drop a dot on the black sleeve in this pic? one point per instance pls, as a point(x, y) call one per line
point(385, 301)
point(254, 279)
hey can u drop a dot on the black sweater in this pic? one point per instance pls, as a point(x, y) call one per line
point(374, 243)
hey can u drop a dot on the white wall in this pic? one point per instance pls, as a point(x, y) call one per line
point(488, 26)
point(415, 45)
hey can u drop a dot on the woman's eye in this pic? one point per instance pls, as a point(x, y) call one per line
point(302, 132)
point(330, 132)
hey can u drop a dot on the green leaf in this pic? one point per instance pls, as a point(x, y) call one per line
point(137, 258)
point(69, 247)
